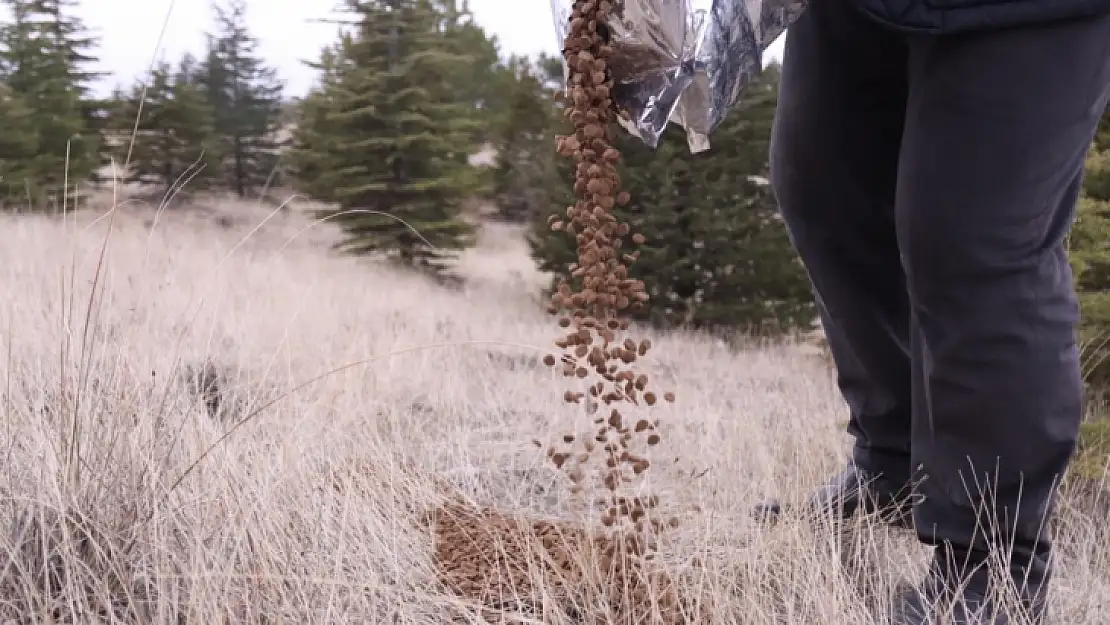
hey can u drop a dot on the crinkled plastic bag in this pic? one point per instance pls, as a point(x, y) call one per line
point(685, 61)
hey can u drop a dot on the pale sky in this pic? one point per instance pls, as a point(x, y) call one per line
point(129, 32)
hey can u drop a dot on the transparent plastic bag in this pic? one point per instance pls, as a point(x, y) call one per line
point(685, 61)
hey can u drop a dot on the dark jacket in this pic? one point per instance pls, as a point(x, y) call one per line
point(955, 16)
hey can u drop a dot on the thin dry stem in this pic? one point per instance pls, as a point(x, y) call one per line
point(302, 502)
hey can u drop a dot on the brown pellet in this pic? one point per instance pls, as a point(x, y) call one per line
point(594, 300)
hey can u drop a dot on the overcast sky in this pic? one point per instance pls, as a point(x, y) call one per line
point(129, 32)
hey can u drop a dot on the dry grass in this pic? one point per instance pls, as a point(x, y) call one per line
point(303, 496)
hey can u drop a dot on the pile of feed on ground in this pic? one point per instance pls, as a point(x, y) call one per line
point(491, 558)
point(559, 571)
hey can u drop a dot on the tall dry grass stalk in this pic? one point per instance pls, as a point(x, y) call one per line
point(125, 497)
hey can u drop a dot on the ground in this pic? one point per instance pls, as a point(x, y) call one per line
point(208, 420)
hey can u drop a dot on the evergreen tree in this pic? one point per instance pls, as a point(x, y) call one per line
point(1096, 179)
point(386, 142)
point(476, 81)
point(18, 147)
point(717, 255)
point(525, 171)
point(317, 133)
point(175, 149)
point(44, 51)
point(1102, 137)
point(1089, 253)
point(246, 97)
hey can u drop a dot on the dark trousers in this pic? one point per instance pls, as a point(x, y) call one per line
point(928, 184)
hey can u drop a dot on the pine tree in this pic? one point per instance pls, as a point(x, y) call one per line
point(43, 54)
point(385, 139)
point(717, 255)
point(316, 132)
point(476, 82)
point(473, 84)
point(247, 100)
point(525, 172)
point(1102, 137)
point(18, 147)
point(1089, 239)
point(1089, 254)
point(175, 149)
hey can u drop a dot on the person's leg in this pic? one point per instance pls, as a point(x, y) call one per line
point(997, 128)
point(834, 152)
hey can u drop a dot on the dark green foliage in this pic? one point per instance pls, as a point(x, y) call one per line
point(1096, 181)
point(246, 98)
point(318, 132)
point(717, 255)
point(384, 139)
point(524, 177)
point(18, 147)
point(43, 54)
point(473, 84)
point(474, 81)
point(1089, 253)
point(175, 149)
point(1102, 138)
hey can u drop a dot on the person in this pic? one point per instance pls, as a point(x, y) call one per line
point(927, 157)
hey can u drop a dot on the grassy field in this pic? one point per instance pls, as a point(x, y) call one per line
point(209, 424)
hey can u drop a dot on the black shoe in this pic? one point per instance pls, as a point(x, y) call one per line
point(847, 493)
point(965, 602)
point(915, 606)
